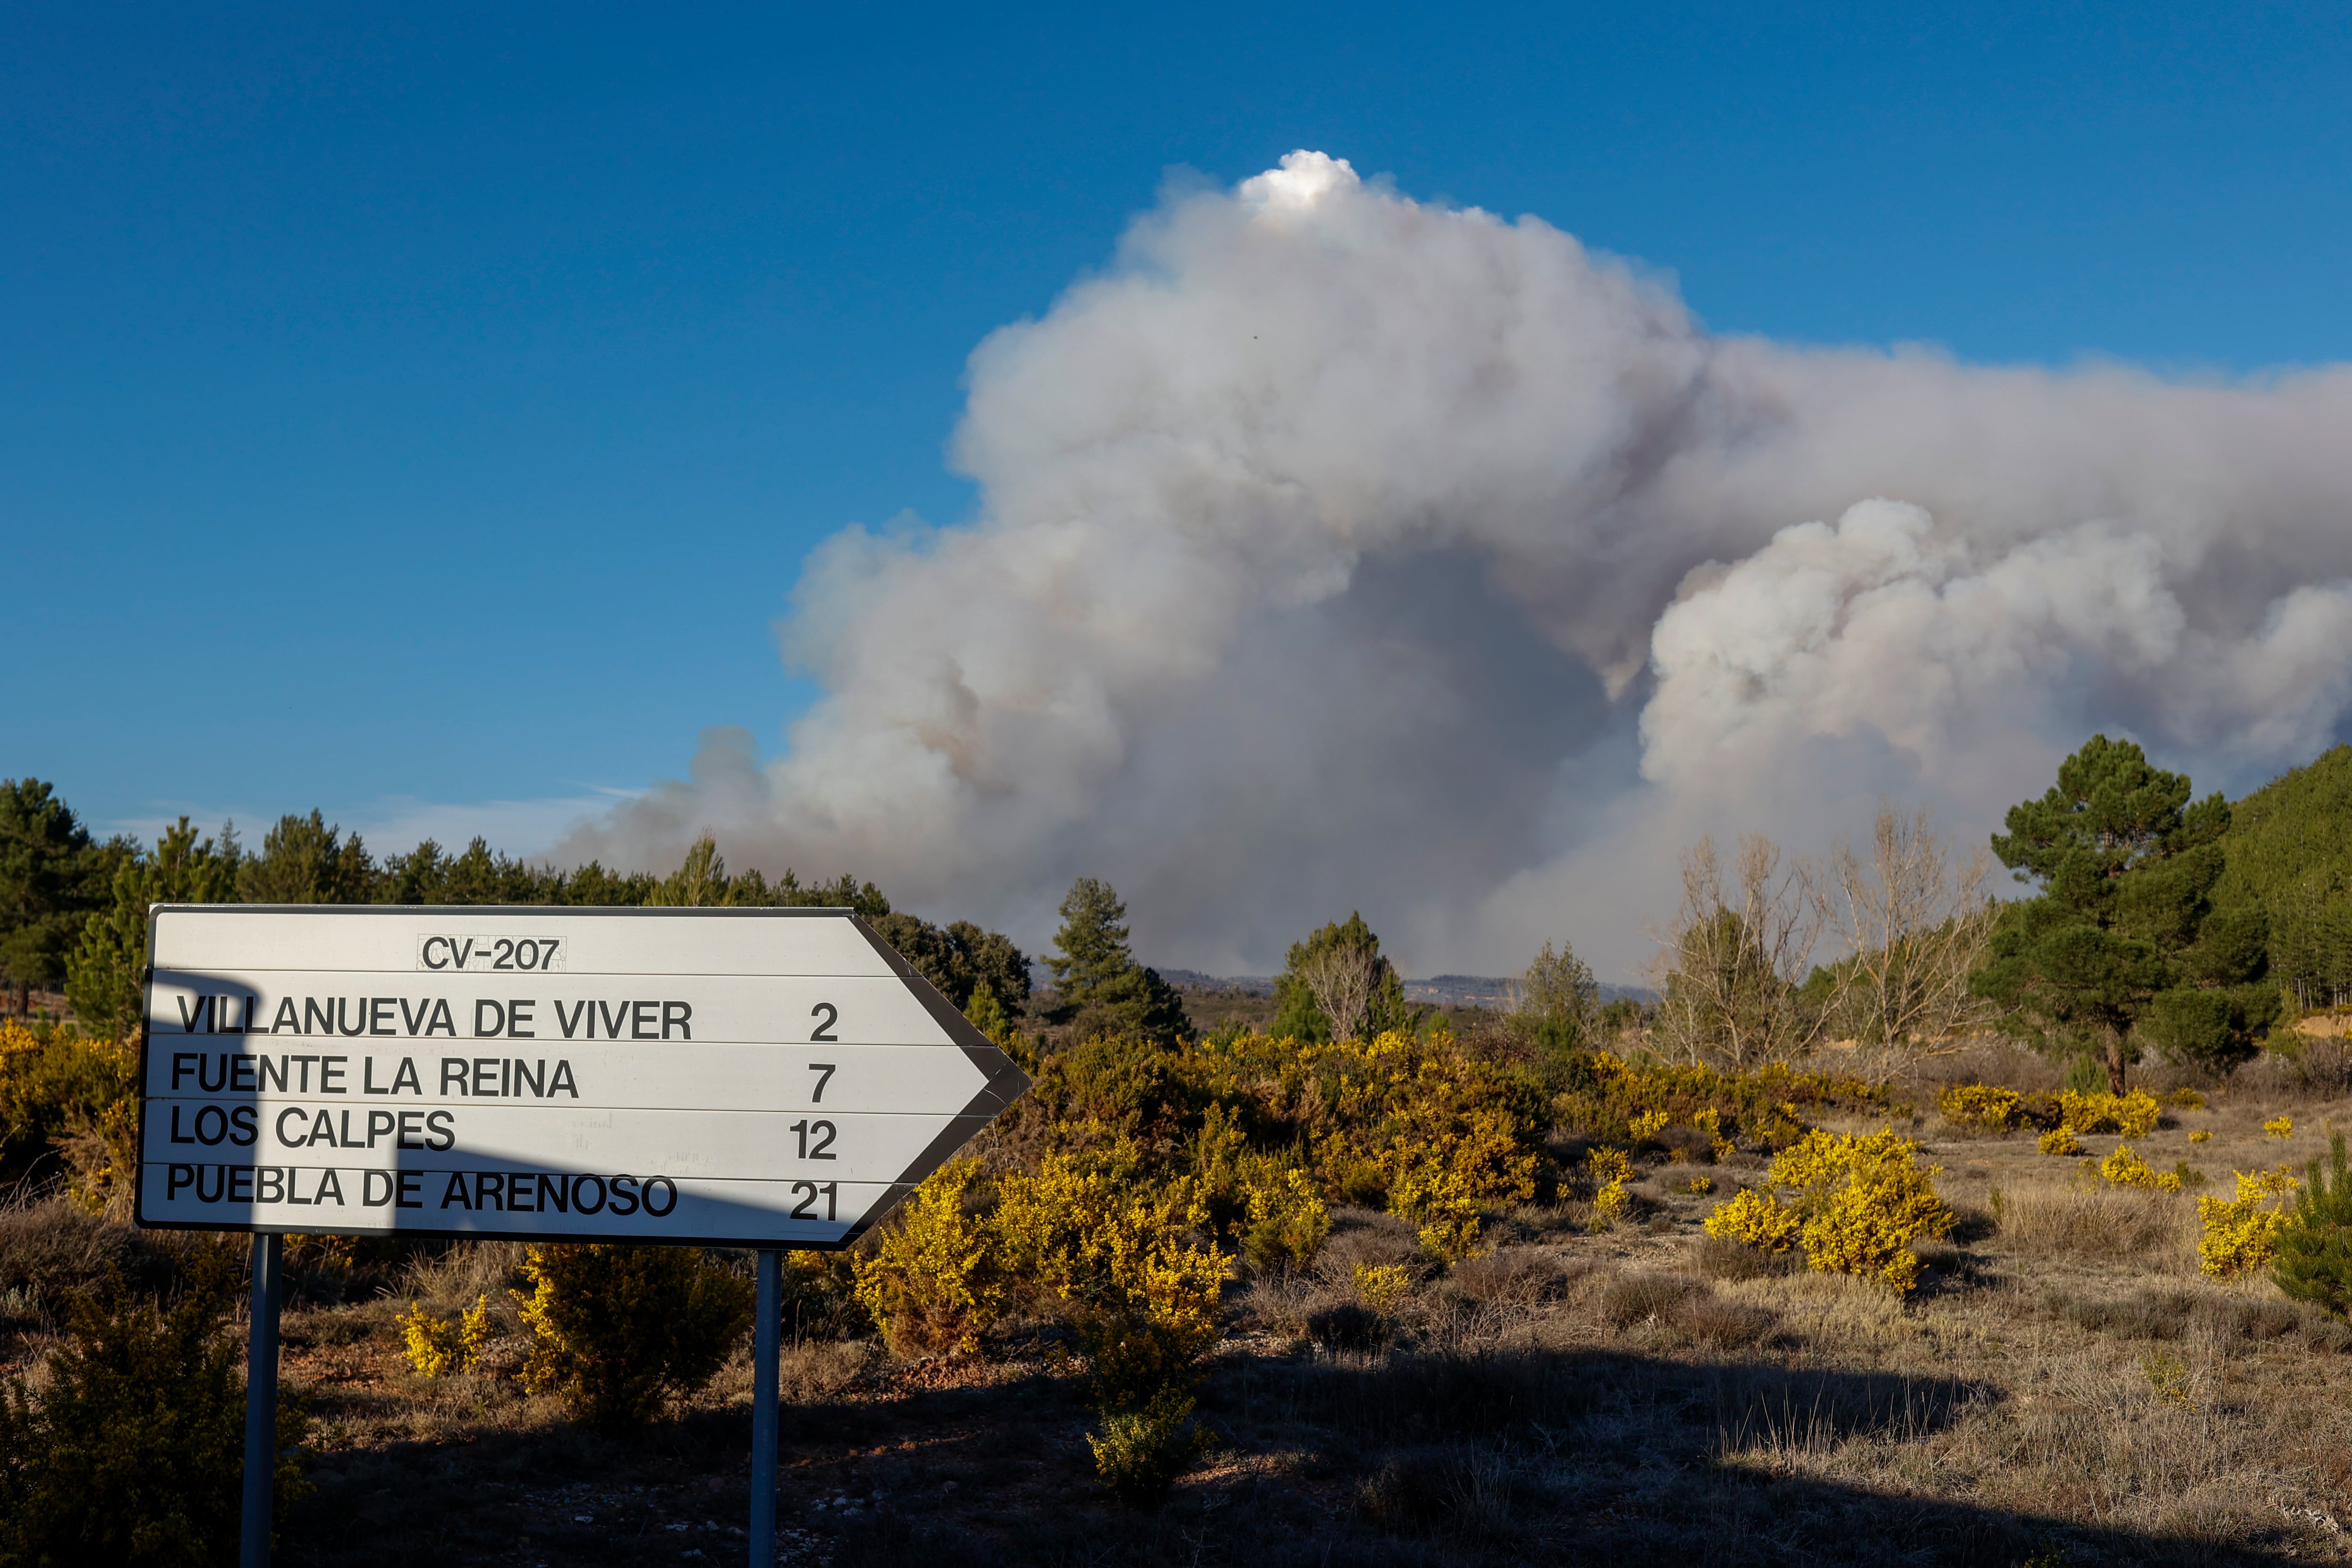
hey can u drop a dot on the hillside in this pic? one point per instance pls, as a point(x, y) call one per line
point(2290, 847)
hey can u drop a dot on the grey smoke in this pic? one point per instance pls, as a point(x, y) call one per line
point(1338, 551)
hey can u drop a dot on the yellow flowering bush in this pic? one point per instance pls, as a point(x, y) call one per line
point(1437, 1201)
point(2279, 1127)
point(1381, 1286)
point(1858, 1203)
point(2134, 1115)
point(1756, 1219)
point(935, 1281)
point(1646, 1125)
point(2125, 1168)
point(1701, 1184)
point(1604, 1093)
point(1611, 1169)
point(1286, 1220)
point(1979, 1105)
point(2202, 1135)
point(2239, 1234)
point(2187, 1099)
point(2059, 1140)
point(1710, 1122)
point(1127, 1254)
point(437, 1349)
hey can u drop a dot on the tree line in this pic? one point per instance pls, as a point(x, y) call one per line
point(2153, 921)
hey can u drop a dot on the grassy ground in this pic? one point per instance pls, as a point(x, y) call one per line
point(2064, 1387)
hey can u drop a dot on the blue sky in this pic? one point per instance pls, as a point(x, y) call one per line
point(410, 413)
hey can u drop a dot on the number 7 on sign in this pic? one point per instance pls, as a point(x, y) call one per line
point(824, 1075)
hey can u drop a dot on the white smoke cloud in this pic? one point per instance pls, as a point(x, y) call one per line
point(1340, 551)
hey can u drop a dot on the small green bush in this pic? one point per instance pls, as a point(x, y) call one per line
point(616, 1330)
point(1140, 1451)
point(2315, 1247)
point(133, 1453)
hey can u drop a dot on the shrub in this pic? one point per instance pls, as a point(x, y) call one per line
point(1859, 1202)
point(2125, 1168)
point(2059, 1140)
point(2187, 1100)
point(1437, 1201)
point(436, 1348)
point(2202, 1135)
point(2134, 1115)
point(935, 1281)
point(1089, 1230)
point(133, 1452)
point(2314, 1247)
point(615, 1329)
point(1286, 1220)
point(2279, 1127)
point(1647, 1124)
point(2240, 1234)
point(1701, 1184)
point(1139, 1452)
point(1611, 1169)
point(1978, 1105)
point(1381, 1286)
point(1756, 1219)
point(58, 1087)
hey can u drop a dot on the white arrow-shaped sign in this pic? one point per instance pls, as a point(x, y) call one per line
point(755, 1077)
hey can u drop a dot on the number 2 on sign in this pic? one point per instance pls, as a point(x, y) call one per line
point(831, 1190)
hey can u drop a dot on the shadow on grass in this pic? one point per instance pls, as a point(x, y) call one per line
point(1403, 1460)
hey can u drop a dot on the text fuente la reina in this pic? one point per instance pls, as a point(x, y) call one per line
point(469, 1077)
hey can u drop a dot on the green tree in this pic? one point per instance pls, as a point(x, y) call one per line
point(701, 881)
point(1559, 1001)
point(2315, 1247)
point(51, 876)
point(1337, 985)
point(1100, 989)
point(2123, 946)
point(305, 861)
point(961, 959)
point(105, 974)
point(2290, 851)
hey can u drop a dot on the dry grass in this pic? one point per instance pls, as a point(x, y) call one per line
point(2079, 1221)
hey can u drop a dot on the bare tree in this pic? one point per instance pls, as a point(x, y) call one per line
point(1730, 969)
point(1342, 978)
point(1913, 921)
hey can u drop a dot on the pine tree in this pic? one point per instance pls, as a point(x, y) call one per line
point(2123, 946)
point(52, 876)
point(305, 861)
point(1100, 987)
point(104, 975)
point(2314, 1249)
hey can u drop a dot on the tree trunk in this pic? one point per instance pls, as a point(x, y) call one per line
point(2116, 1062)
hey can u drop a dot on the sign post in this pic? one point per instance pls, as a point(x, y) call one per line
point(747, 1078)
point(261, 1401)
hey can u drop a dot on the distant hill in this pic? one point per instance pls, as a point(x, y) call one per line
point(1489, 990)
point(2290, 848)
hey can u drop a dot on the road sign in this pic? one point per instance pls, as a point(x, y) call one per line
point(732, 1077)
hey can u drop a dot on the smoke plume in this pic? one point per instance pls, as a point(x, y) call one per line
point(1338, 551)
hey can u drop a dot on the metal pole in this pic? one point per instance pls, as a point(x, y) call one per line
point(261, 1402)
point(766, 1329)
